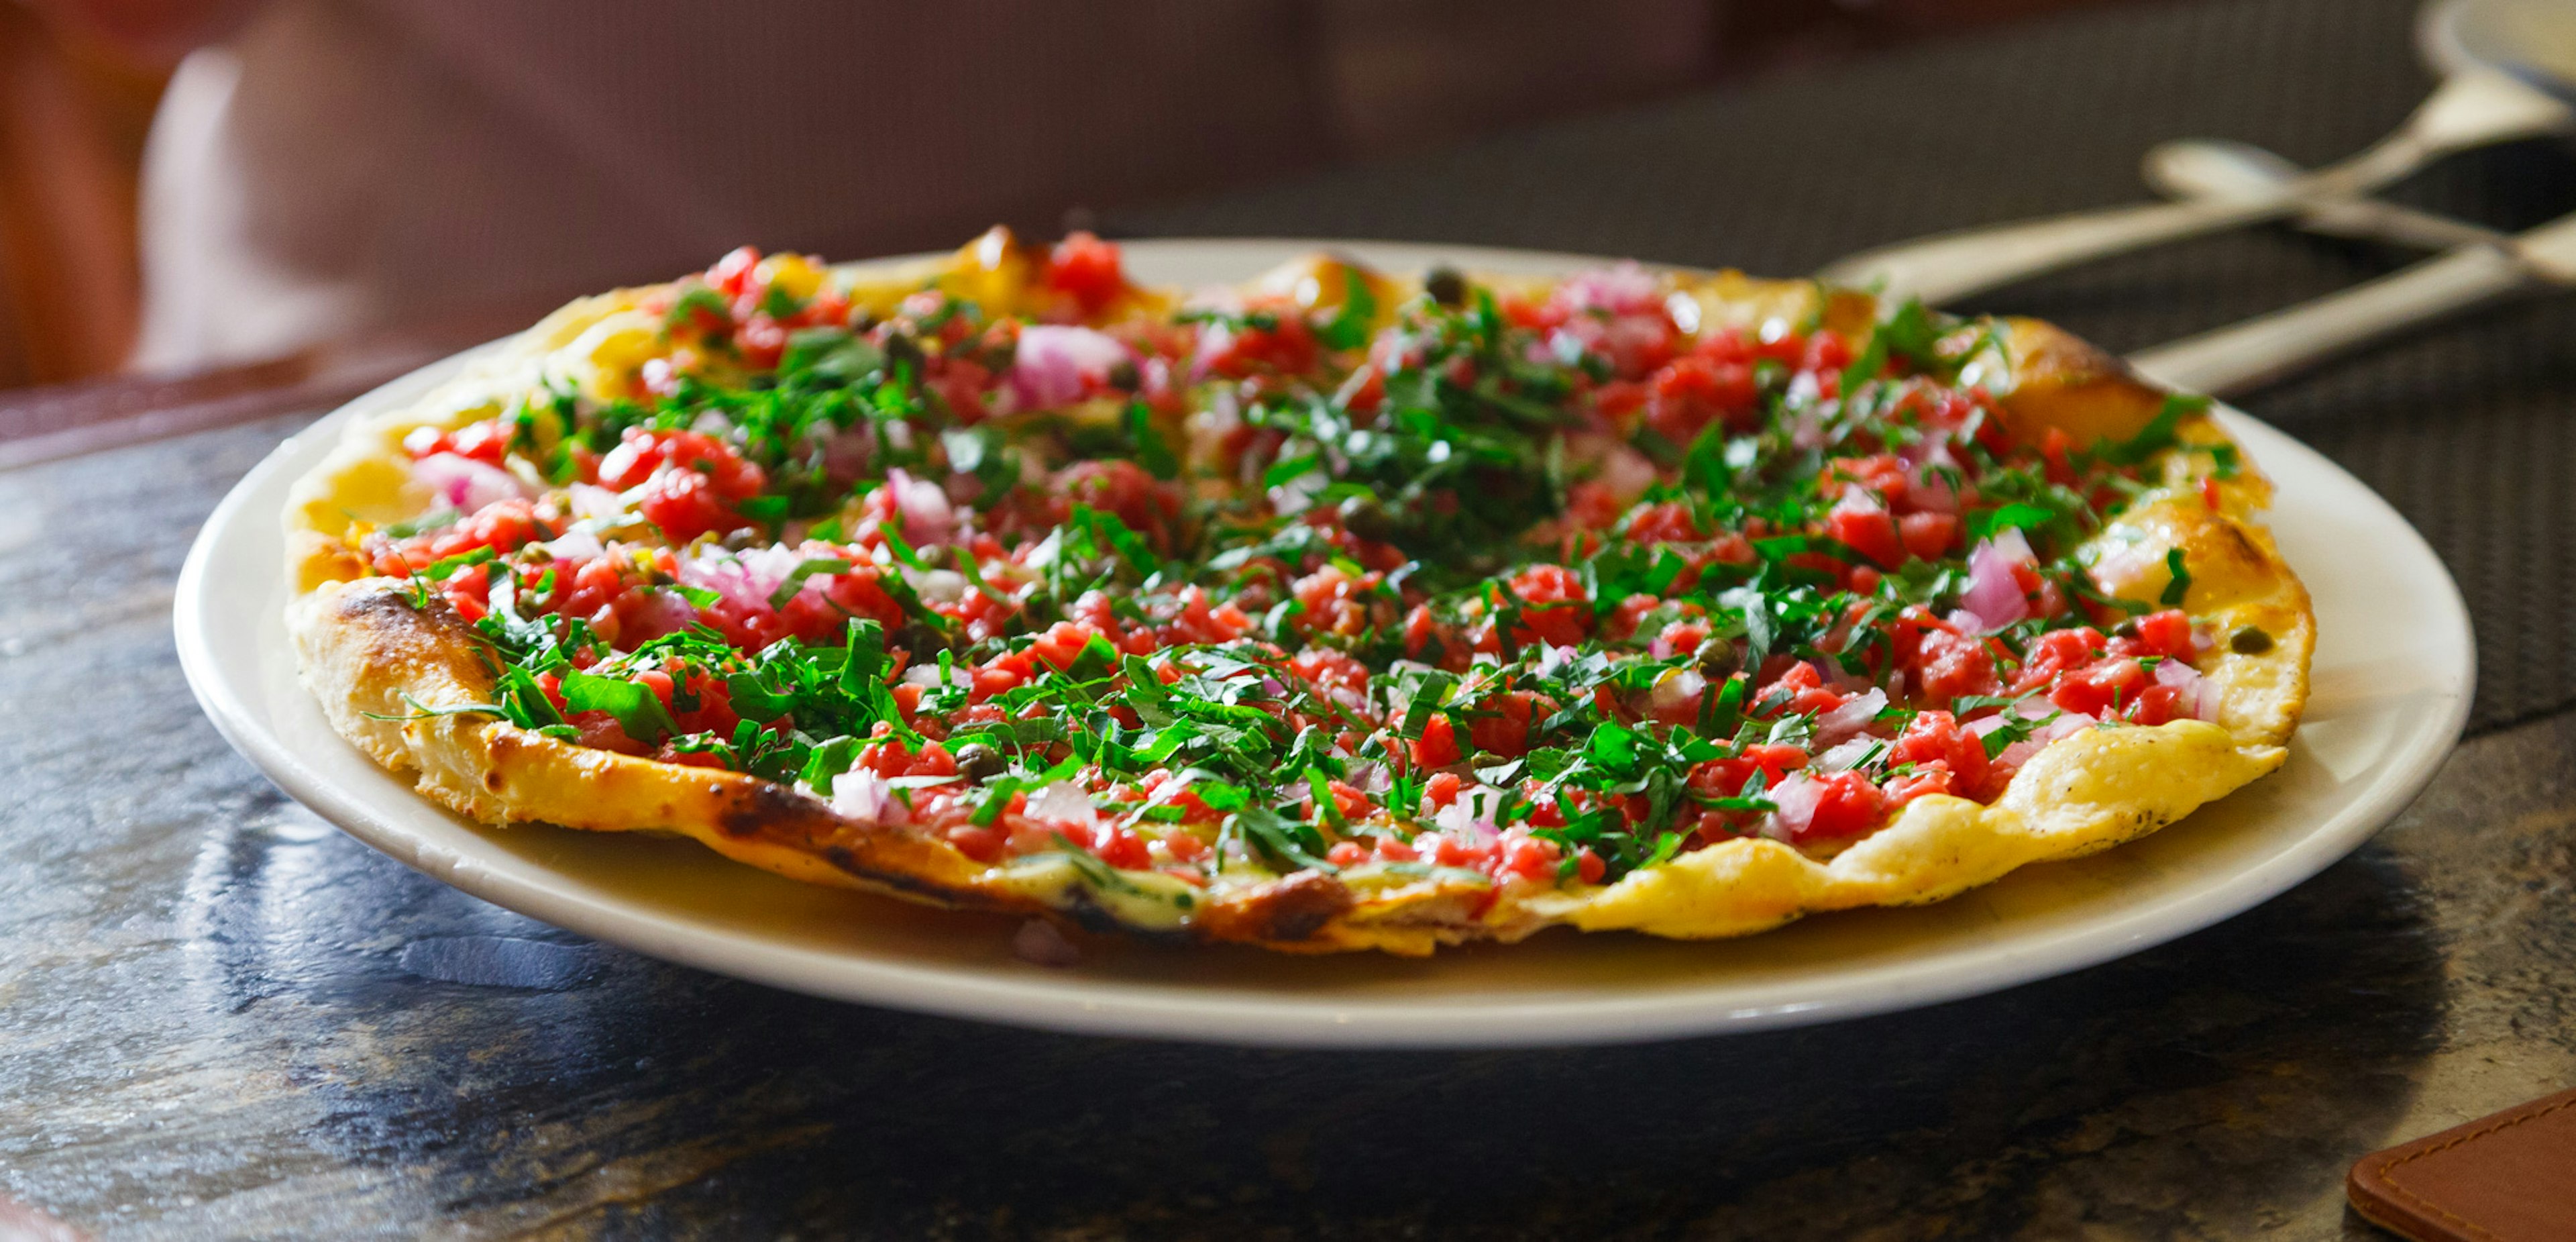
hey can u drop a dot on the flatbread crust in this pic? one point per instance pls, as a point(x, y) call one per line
point(374, 659)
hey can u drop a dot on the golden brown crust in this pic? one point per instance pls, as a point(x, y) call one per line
point(385, 669)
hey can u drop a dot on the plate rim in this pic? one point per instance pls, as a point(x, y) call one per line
point(1101, 1007)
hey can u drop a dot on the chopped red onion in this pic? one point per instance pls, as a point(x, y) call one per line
point(747, 578)
point(1056, 364)
point(1621, 289)
point(465, 484)
point(1214, 339)
point(928, 517)
point(1796, 797)
point(2192, 688)
point(863, 795)
point(1856, 499)
point(929, 675)
point(1063, 802)
point(579, 545)
point(2066, 724)
point(1994, 597)
point(1927, 487)
point(1853, 716)
point(590, 500)
point(1845, 756)
point(1471, 817)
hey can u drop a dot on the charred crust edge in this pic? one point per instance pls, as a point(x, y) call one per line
point(758, 807)
point(1301, 905)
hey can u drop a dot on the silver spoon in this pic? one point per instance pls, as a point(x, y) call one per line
point(2265, 348)
point(2471, 108)
point(2198, 168)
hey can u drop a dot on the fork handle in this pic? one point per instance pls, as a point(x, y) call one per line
point(2258, 351)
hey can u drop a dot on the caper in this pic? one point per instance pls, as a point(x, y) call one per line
point(1365, 517)
point(1445, 286)
point(978, 762)
point(1718, 659)
point(1124, 376)
point(2250, 640)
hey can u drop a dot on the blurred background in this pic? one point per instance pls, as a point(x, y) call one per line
point(191, 185)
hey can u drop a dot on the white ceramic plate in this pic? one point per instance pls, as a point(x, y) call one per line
point(2392, 680)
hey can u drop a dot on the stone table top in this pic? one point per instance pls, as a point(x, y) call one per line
point(221, 1017)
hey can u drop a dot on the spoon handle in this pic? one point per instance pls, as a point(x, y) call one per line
point(2468, 109)
point(2269, 347)
point(2370, 219)
point(1952, 265)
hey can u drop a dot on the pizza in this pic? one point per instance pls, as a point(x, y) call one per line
point(1342, 609)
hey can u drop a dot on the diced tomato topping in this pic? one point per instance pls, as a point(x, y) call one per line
point(1882, 473)
point(1061, 645)
point(2058, 652)
point(1530, 858)
point(1934, 742)
point(1922, 783)
point(1669, 522)
point(890, 758)
point(1502, 724)
point(1928, 535)
point(1438, 745)
point(981, 844)
point(2166, 634)
point(1287, 348)
point(1554, 608)
point(1694, 390)
point(1847, 805)
point(504, 526)
point(1122, 848)
point(1870, 532)
point(1949, 664)
point(691, 481)
point(1727, 778)
point(1086, 269)
point(1826, 351)
point(1806, 689)
point(2104, 689)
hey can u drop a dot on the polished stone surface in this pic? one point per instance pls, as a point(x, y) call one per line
point(219, 1016)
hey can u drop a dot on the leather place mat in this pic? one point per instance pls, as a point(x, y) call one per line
point(2466, 427)
point(2503, 1178)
